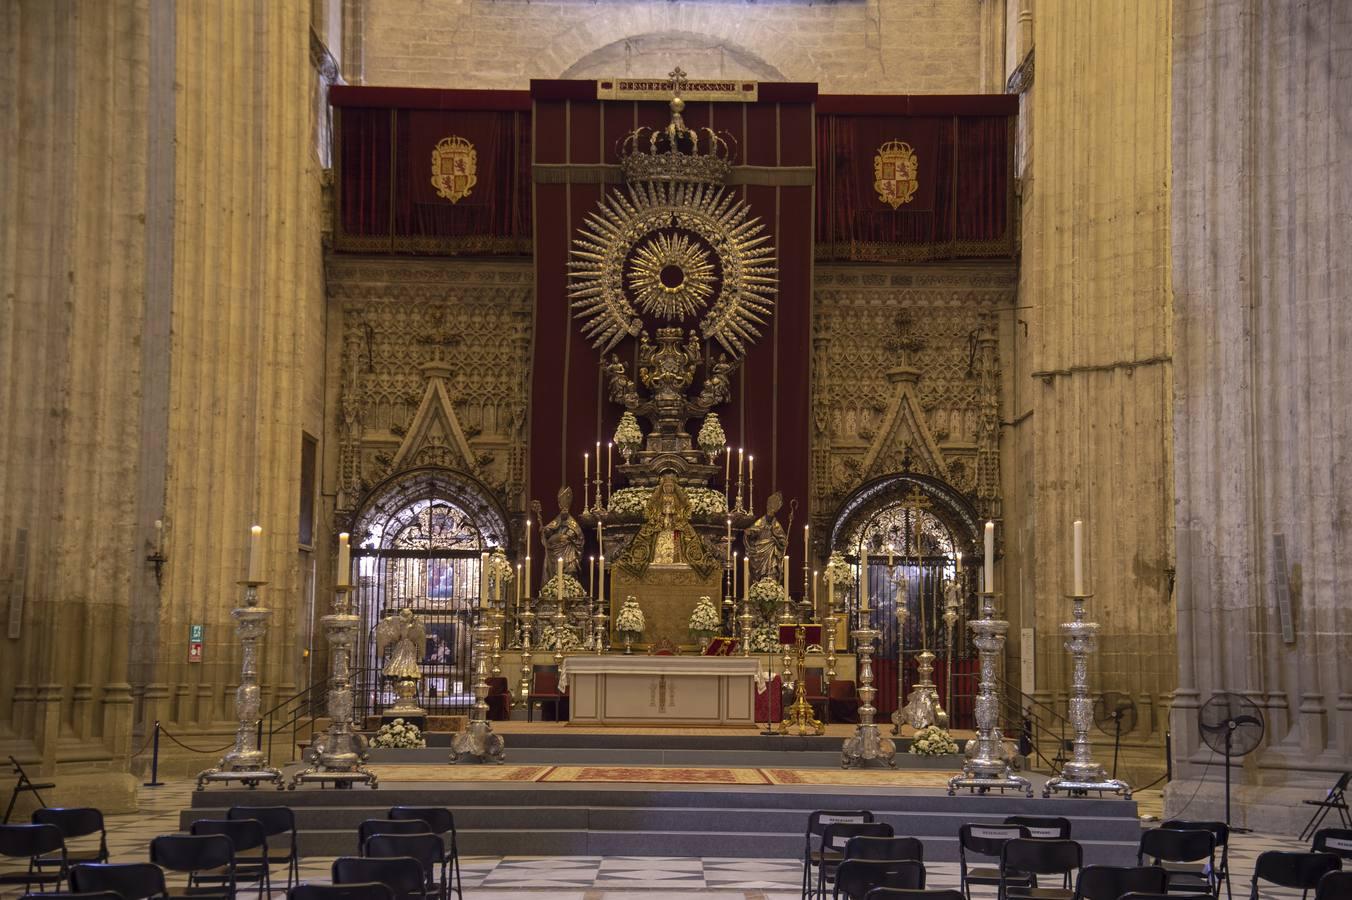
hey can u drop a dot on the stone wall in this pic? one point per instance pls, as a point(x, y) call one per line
point(1087, 421)
point(856, 46)
point(162, 301)
point(1262, 151)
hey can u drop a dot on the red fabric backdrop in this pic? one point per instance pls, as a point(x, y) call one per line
point(769, 412)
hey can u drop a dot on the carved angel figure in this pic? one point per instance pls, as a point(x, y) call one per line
point(562, 537)
point(407, 635)
point(766, 541)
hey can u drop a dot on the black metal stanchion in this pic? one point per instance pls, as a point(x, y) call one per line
point(155, 760)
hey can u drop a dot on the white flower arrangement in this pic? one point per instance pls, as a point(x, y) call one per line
point(764, 638)
point(572, 589)
point(711, 437)
point(632, 503)
point(766, 595)
point(839, 570)
point(627, 433)
point(400, 735)
point(630, 620)
point(933, 741)
point(705, 620)
point(564, 638)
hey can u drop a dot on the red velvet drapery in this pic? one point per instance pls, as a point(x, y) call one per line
point(386, 199)
point(963, 205)
point(575, 134)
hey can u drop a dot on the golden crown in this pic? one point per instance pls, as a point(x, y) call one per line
point(673, 153)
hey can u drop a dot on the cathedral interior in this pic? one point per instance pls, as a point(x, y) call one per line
point(331, 309)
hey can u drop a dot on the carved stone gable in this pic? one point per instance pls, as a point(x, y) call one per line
point(435, 437)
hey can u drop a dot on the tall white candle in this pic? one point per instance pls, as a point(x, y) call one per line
point(344, 560)
point(787, 596)
point(735, 557)
point(751, 482)
point(988, 570)
point(255, 556)
point(746, 576)
point(863, 582)
point(814, 590)
point(807, 552)
point(518, 585)
point(525, 591)
point(729, 551)
point(610, 460)
point(586, 468)
point(830, 592)
point(740, 458)
point(483, 579)
point(600, 539)
point(1079, 557)
point(591, 575)
point(601, 581)
point(559, 580)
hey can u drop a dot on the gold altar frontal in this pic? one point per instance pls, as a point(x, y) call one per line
point(667, 594)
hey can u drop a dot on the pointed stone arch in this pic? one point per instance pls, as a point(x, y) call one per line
point(947, 504)
point(387, 500)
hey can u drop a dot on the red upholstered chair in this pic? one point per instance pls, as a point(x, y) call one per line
point(816, 694)
point(499, 699)
point(842, 704)
point(545, 691)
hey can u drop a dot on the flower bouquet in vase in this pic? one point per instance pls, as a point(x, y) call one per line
point(630, 623)
point(400, 735)
point(705, 622)
point(628, 436)
point(933, 741)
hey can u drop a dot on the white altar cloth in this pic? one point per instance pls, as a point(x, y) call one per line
point(662, 690)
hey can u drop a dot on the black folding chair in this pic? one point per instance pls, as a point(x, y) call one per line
point(1190, 856)
point(854, 878)
point(1334, 886)
point(24, 784)
point(1289, 869)
point(816, 825)
point(1044, 827)
point(75, 823)
point(985, 840)
point(69, 895)
point(1024, 857)
point(442, 822)
point(372, 827)
point(207, 859)
point(371, 890)
point(130, 881)
point(884, 848)
point(276, 821)
point(426, 848)
point(404, 876)
point(34, 843)
point(834, 838)
point(1336, 798)
point(1111, 882)
point(1136, 895)
point(883, 893)
point(1179, 877)
point(1335, 841)
point(244, 835)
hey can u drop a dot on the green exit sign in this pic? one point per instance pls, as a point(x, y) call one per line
point(195, 633)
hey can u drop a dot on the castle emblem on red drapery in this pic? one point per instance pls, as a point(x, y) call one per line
point(896, 173)
point(454, 168)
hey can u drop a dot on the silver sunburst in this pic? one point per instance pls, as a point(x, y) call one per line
point(716, 256)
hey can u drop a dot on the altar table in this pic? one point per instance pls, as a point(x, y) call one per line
point(662, 690)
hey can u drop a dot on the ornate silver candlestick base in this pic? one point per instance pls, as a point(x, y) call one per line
point(478, 743)
point(866, 743)
point(599, 629)
point(527, 626)
point(1082, 774)
point(338, 754)
point(987, 764)
point(245, 761)
point(922, 707)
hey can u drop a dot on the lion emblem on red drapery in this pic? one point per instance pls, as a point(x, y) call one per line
point(896, 173)
point(454, 168)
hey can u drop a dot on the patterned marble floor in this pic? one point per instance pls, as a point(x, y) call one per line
point(607, 878)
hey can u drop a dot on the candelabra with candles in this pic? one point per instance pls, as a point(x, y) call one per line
point(867, 742)
point(952, 608)
point(1082, 774)
point(245, 761)
point(987, 766)
point(527, 619)
point(337, 755)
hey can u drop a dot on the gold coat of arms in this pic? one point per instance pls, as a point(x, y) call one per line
point(454, 168)
point(896, 173)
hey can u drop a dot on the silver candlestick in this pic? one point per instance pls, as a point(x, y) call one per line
point(987, 764)
point(527, 619)
point(599, 629)
point(746, 618)
point(245, 761)
point(478, 743)
point(338, 754)
point(1082, 774)
point(866, 743)
point(899, 714)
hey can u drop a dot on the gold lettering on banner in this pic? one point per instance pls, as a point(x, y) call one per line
point(723, 91)
point(896, 173)
point(455, 165)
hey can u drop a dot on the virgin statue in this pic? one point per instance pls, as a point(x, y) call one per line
point(667, 537)
point(766, 542)
point(562, 537)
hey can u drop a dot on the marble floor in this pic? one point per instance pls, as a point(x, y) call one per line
point(610, 878)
